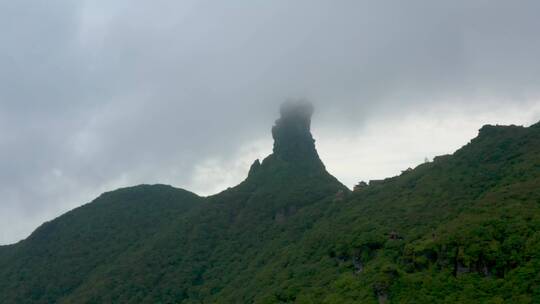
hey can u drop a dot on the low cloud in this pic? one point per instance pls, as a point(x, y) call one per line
point(100, 94)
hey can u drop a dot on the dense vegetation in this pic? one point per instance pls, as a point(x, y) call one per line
point(464, 228)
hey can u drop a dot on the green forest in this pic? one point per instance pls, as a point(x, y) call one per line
point(463, 228)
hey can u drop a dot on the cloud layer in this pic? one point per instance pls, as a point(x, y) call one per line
point(100, 94)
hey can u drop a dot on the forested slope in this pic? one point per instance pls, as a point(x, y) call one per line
point(461, 229)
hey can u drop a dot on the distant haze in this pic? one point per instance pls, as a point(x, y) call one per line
point(98, 94)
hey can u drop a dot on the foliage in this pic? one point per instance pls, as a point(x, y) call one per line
point(464, 228)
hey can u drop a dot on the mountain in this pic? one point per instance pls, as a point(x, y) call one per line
point(464, 228)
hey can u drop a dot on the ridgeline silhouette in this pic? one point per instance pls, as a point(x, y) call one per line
point(463, 228)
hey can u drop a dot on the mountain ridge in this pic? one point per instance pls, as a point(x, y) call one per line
point(291, 232)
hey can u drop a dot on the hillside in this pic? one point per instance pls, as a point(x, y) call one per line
point(464, 228)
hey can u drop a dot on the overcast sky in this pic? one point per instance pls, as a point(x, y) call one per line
point(97, 94)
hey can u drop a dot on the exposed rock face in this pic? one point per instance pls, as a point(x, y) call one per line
point(254, 167)
point(357, 264)
point(360, 186)
point(294, 159)
point(293, 141)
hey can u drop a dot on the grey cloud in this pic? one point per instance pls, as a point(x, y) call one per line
point(98, 94)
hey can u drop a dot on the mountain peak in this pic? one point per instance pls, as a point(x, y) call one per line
point(292, 135)
point(294, 164)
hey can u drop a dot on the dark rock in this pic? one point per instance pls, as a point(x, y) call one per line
point(361, 185)
point(293, 141)
point(393, 235)
point(254, 167)
point(358, 266)
point(461, 269)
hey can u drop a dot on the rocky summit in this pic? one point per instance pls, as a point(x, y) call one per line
point(292, 136)
point(463, 228)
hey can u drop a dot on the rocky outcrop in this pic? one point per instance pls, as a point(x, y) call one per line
point(293, 141)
